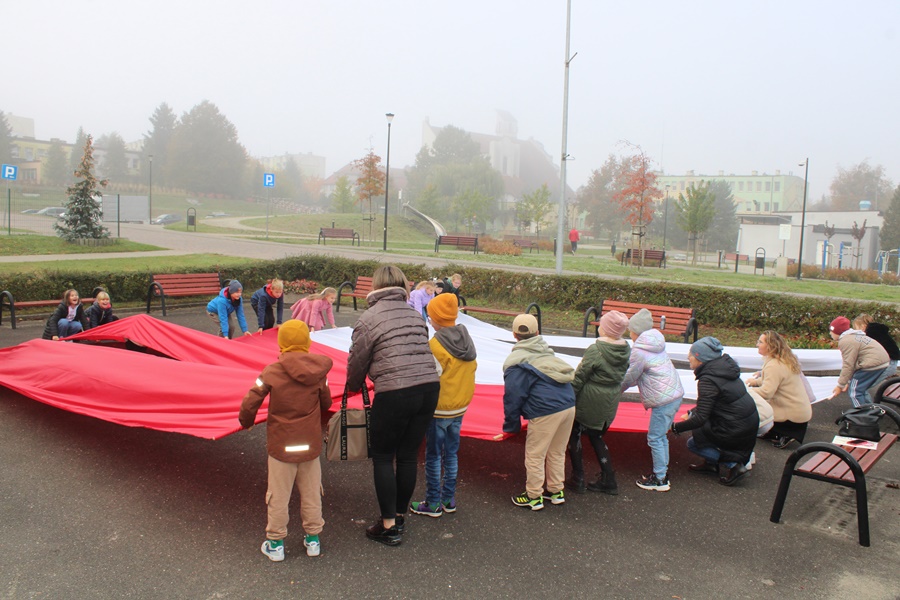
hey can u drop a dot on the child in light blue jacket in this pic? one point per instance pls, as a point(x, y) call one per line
point(661, 391)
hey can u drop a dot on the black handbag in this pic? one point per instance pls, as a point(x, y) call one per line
point(347, 435)
point(861, 422)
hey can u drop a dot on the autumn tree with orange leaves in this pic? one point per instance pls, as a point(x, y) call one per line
point(637, 193)
point(370, 183)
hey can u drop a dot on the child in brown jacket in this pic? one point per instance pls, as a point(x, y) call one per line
point(298, 390)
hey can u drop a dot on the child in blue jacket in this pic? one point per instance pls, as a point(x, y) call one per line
point(226, 303)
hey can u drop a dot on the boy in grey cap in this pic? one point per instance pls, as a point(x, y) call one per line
point(228, 302)
point(661, 391)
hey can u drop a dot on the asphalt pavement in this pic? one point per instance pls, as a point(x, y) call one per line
point(90, 509)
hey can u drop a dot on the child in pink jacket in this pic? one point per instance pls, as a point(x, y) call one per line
point(315, 308)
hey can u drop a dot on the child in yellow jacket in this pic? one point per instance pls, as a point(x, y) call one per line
point(454, 353)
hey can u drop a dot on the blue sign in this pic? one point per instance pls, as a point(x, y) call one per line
point(268, 179)
point(10, 172)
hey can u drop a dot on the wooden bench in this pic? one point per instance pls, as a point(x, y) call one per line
point(7, 299)
point(732, 256)
point(523, 243)
point(649, 255)
point(360, 289)
point(498, 311)
point(169, 285)
point(835, 464)
point(341, 234)
point(670, 320)
point(460, 241)
point(889, 392)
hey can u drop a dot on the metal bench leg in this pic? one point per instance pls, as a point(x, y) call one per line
point(783, 487)
point(862, 509)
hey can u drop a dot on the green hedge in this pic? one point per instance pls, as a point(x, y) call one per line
point(714, 306)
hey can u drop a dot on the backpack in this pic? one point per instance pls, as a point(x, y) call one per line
point(861, 422)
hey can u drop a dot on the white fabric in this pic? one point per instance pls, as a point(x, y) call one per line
point(494, 343)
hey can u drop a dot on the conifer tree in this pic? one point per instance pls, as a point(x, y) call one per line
point(83, 215)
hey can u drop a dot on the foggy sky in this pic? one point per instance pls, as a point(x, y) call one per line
point(707, 86)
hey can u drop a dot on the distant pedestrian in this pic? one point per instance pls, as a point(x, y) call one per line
point(454, 353)
point(864, 361)
point(574, 238)
point(227, 303)
point(101, 311)
point(597, 385)
point(268, 305)
point(537, 386)
point(390, 345)
point(661, 391)
point(298, 392)
point(316, 309)
point(68, 318)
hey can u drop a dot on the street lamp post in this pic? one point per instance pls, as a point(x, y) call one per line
point(150, 190)
point(666, 219)
point(387, 177)
point(802, 220)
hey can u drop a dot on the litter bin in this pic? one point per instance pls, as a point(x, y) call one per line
point(760, 262)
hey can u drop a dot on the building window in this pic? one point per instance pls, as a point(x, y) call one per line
point(29, 153)
point(740, 186)
point(768, 186)
point(777, 186)
point(766, 207)
point(759, 186)
point(29, 174)
point(774, 207)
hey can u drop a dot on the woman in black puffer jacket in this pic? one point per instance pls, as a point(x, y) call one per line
point(725, 420)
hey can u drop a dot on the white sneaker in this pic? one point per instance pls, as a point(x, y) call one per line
point(313, 547)
point(752, 461)
point(275, 553)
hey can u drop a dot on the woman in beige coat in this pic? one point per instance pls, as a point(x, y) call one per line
point(780, 383)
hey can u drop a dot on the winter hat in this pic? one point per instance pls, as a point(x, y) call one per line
point(614, 324)
point(840, 325)
point(706, 349)
point(641, 321)
point(524, 324)
point(443, 309)
point(234, 287)
point(293, 336)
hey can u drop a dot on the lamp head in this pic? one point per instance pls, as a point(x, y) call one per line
point(390, 117)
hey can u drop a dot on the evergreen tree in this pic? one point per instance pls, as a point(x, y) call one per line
point(115, 164)
point(5, 140)
point(56, 169)
point(83, 217)
point(890, 233)
point(74, 158)
point(342, 200)
point(156, 143)
point(723, 231)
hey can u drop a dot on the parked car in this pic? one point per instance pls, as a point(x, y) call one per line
point(165, 219)
point(29, 211)
point(52, 211)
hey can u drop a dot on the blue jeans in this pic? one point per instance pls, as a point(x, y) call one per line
point(859, 386)
point(889, 372)
point(441, 446)
point(661, 418)
point(66, 327)
point(710, 453)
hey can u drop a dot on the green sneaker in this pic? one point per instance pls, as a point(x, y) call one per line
point(274, 549)
point(424, 508)
point(449, 506)
point(555, 498)
point(313, 546)
point(525, 501)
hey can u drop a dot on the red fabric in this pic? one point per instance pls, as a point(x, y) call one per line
point(199, 388)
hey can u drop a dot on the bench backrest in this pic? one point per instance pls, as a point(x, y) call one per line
point(648, 254)
point(336, 232)
point(732, 256)
point(457, 240)
point(676, 318)
point(187, 283)
point(363, 285)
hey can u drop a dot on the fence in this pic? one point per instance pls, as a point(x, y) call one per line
point(37, 212)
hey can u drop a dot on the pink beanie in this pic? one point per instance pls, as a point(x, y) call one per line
point(614, 324)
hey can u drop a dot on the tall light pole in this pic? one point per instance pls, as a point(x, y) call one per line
point(564, 155)
point(150, 190)
point(387, 176)
point(802, 219)
point(666, 218)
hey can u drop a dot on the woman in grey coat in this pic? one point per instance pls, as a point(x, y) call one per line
point(390, 345)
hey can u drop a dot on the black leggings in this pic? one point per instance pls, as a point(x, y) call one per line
point(398, 424)
point(595, 437)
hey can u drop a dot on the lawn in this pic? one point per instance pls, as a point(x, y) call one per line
point(27, 245)
point(130, 264)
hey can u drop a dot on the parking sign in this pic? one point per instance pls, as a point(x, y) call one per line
point(268, 179)
point(10, 172)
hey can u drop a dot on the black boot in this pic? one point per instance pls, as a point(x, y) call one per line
point(605, 484)
point(575, 484)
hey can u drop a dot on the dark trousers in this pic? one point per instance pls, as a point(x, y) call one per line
point(595, 438)
point(789, 429)
point(269, 319)
point(399, 420)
